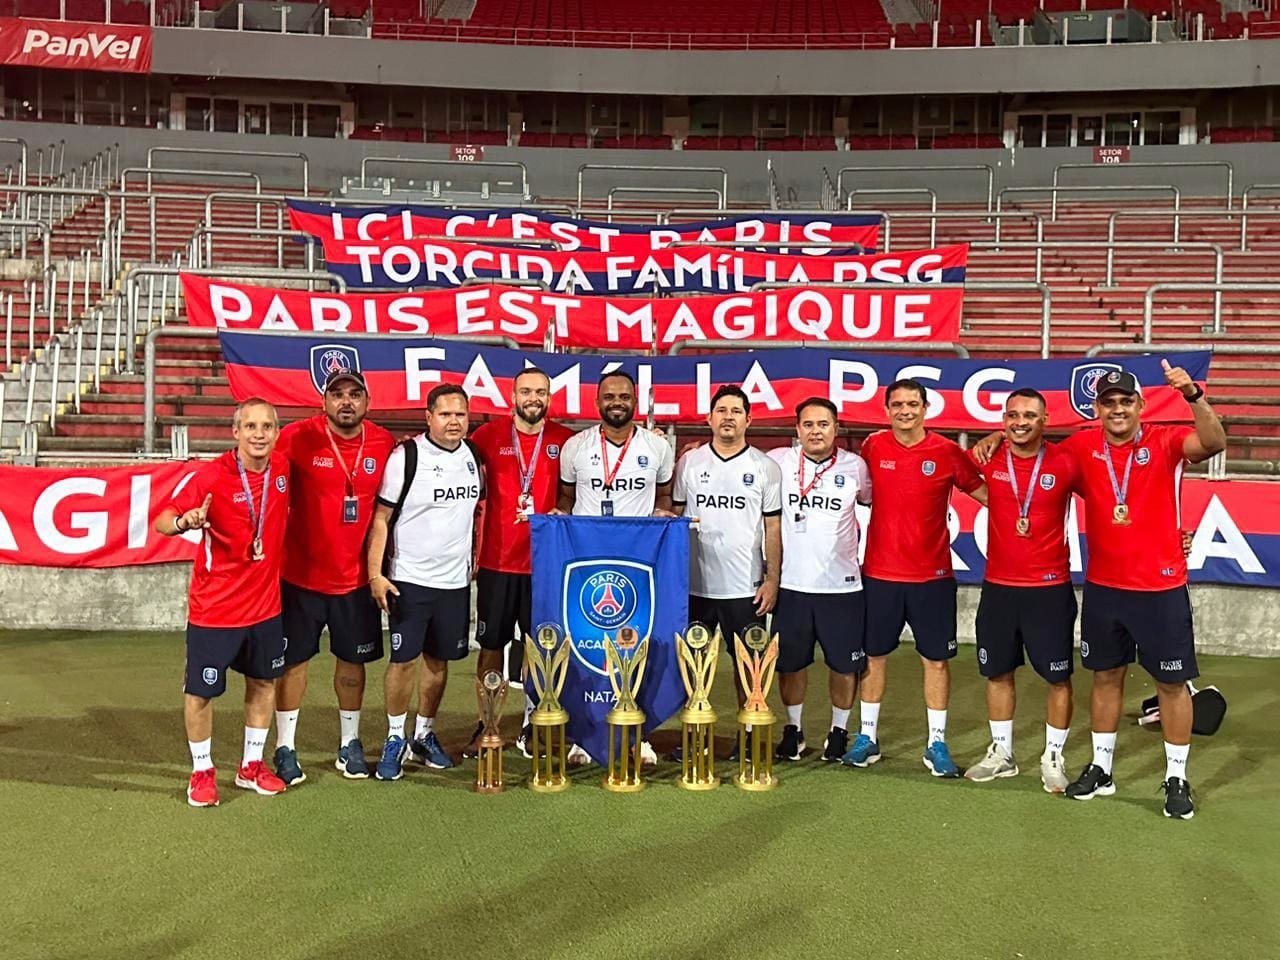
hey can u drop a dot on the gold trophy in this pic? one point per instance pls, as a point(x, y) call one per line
point(625, 665)
point(697, 653)
point(491, 693)
point(546, 661)
point(757, 655)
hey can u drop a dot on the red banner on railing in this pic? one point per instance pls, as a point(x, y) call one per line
point(68, 45)
point(872, 313)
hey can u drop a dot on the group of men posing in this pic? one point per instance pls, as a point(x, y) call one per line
point(329, 522)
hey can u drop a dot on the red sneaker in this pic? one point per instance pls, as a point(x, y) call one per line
point(258, 777)
point(202, 791)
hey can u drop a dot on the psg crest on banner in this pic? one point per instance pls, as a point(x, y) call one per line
point(328, 358)
point(1084, 386)
point(599, 597)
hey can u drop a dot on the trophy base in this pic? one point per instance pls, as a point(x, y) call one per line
point(489, 787)
point(623, 786)
point(549, 786)
point(757, 784)
point(698, 784)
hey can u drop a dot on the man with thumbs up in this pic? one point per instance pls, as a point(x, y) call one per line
point(238, 505)
point(1136, 604)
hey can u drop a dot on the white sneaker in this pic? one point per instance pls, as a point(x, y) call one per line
point(996, 763)
point(1053, 772)
point(648, 757)
point(577, 757)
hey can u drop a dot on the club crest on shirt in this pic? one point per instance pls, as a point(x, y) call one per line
point(839, 479)
point(1085, 378)
point(704, 476)
point(1143, 456)
point(1048, 481)
point(280, 484)
point(748, 479)
point(928, 468)
point(553, 451)
point(370, 465)
point(471, 467)
point(642, 460)
point(595, 459)
point(328, 358)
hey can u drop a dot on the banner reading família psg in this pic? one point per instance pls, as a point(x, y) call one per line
point(442, 263)
point(103, 517)
point(290, 369)
point(872, 312)
point(858, 233)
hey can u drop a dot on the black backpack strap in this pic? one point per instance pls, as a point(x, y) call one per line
point(410, 448)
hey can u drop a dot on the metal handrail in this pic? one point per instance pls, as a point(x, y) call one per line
point(652, 168)
point(880, 346)
point(999, 217)
point(1148, 299)
point(920, 168)
point(663, 191)
point(202, 254)
point(152, 198)
point(1178, 215)
point(890, 191)
point(1244, 206)
point(1104, 188)
point(1111, 246)
point(1149, 164)
point(266, 154)
point(46, 234)
point(466, 164)
point(22, 161)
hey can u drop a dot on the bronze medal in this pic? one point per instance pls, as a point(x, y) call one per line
point(1024, 527)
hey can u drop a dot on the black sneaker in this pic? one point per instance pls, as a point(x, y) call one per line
point(834, 747)
point(1177, 799)
point(792, 745)
point(472, 749)
point(1093, 781)
point(525, 741)
point(733, 754)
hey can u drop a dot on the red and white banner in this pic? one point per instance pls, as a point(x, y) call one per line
point(103, 516)
point(70, 45)
point(444, 263)
point(872, 313)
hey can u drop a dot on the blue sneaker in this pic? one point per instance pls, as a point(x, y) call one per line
point(391, 766)
point(351, 762)
point(863, 753)
point(287, 767)
point(429, 753)
point(938, 759)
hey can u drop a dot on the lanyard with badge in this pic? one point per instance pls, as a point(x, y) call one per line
point(1023, 525)
point(610, 474)
point(1120, 512)
point(802, 521)
point(350, 502)
point(256, 521)
point(524, 502)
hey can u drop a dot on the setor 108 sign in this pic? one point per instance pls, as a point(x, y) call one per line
point(1110, 155)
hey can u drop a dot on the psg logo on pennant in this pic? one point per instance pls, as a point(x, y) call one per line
point(928, 468)
point(1085, 378)
point(370, 465)
point(329, 358)
point(599, 596)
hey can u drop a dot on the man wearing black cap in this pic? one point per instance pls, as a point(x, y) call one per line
point(1136, 602)
point(336, 460)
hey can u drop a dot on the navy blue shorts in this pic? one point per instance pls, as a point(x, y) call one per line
point(929, 608)
point(255, 651)
point(353, 619)
point(834, 620)
point(1151, 626)
point(732, 616)
point(428, 622)
point(1039, 620)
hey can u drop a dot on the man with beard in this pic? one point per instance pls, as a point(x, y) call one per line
point(336, 460)
point(520, 455)
point(616, 469)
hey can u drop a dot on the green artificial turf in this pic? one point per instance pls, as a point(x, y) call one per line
point(103, 858)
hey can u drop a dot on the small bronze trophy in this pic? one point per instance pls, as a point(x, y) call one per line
point(697, 654)
point(491, 694)
point(757, 655)
point(546, 661)
point(625, 661)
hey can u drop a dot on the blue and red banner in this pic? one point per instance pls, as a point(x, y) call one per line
point(410, 264)
point(964, 394)
point(406, 221)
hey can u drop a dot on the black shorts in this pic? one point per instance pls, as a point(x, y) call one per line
point(732, 616)
point(835, 620)
point(504, 603)
point(353, 619)
point(928, 607)
point(255, 651)
point(1040, 620)
point(1116, 625)
point(429, 622)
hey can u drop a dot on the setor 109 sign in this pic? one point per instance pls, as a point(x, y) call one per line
point(468, 153)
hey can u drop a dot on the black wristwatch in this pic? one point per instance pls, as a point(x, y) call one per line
point(1195, 396)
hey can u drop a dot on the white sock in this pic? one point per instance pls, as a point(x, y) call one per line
point(1175, 760)
point(1002, 735)
point(423, 727)
point(1104, 750)
point(1055, 740)
point(201, 754)
point(348, 726)
point(529, 706)
point(870, 714)
point(793, 714)
point(839, 718)
point(937, 726)
point(286, 726)
point(255, 741)
point(395, 725)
